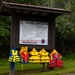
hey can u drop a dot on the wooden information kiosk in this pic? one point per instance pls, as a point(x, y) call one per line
point(32, 26)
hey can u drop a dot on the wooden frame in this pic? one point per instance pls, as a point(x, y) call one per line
point(31, 13)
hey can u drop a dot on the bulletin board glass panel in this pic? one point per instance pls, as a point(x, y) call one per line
point(33, 33)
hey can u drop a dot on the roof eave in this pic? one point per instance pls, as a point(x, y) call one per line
point(33, 8)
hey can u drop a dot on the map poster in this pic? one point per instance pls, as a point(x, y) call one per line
point(33, 33)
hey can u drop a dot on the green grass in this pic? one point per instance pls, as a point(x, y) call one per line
point(69, 66)
point(4, 66)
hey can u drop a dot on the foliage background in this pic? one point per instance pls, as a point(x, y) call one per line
point(65, 26)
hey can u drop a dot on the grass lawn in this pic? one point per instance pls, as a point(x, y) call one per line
point(69, 66)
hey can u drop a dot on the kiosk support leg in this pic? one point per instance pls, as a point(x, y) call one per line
point(43, 66)
point(12, 68)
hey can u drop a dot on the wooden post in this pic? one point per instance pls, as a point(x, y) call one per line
point(12, 68)
point(43, 66)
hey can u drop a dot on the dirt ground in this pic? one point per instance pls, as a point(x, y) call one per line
point(36, 71)
point(29, 72)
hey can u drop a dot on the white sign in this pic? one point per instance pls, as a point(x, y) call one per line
point(33, 33)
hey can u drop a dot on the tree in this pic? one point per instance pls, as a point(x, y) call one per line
point(65, 25)
point(4, 35)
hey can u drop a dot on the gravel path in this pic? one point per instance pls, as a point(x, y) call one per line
point(69, 74)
